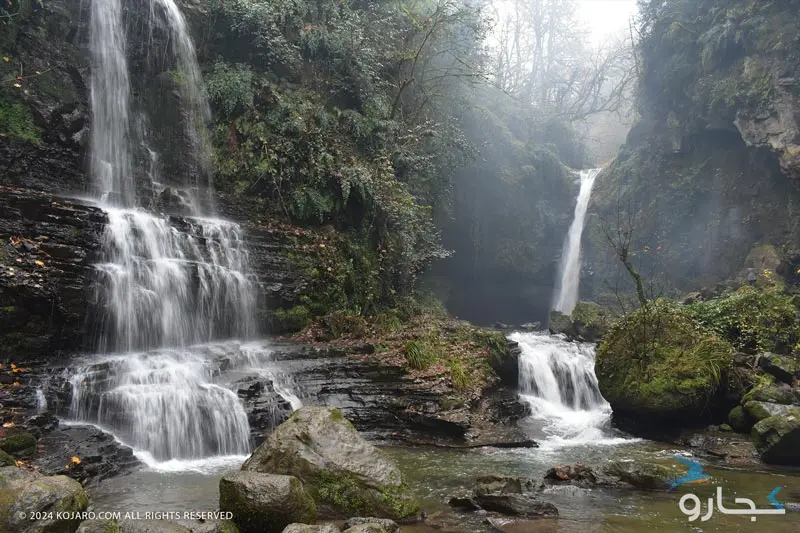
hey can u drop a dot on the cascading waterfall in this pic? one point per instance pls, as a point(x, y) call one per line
point(168, 287)
point(557, 381)
point(567, 292)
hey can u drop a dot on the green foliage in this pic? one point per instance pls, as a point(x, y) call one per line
point(422, 353)
point(752, 318)
point(660, 360)
point(230, 88)
point(459, 376)
point(16, 121)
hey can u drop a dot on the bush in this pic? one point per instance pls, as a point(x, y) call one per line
point(660, 361)
point(422, 353)
point(752, 319)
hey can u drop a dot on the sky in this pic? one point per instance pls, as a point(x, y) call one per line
point(606, 17)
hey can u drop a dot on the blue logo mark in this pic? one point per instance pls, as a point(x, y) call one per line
point(694, 475)
point(773, 500)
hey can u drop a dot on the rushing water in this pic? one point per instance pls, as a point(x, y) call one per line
point(167, 287)
point(110, 99)
point(570, 269)
point(557, 381)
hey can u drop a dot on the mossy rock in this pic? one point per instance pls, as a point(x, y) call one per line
point(591, 320)
point(265, 503)
point(7, 460)
point(48, 494)
point(659, 364)
point(758, 411)
point(768, 390)
point(777, 438)
point(739, 420)
point(340, 469)
point(18, 444)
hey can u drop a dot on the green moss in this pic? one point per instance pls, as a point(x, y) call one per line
point(768, 390)
point(336, 414)
point(346, 493)
point(660, 361)
point(16, 121)
point(6, 459)
point(18, 442)
point(739, 420)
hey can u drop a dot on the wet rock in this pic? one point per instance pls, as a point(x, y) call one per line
point(784, 368)
point(306, 528)
point(99, 526)
point(735, 449)
point(152, 526)
point(11, 475)
point(517, 505)
point(640, 474)
point(494, 484)
point(515, 525)
point(576, 474)
point(531, 326)
point(464, 503)
point(777, 438)
point(743, 360)
point(337, 466)
point(101, 456)
point(562, 324)
point(265, 503)
point(389, 525)
point(505, 362)
point(24, 495)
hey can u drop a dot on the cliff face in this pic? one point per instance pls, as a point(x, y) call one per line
point(708, 179)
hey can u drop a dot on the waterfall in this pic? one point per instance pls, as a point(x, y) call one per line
point(567, 292)
point(110, 101)
point(557, 381)
point(167, 286)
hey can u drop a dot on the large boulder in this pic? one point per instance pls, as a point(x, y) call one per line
point(517, 505)
point(784, 368)
point(338, 467)
point(660, 366)
point(19, 444)
point(23, 494)
point(641, 475)
point(777, 438)
point(265, 503)
point(739, 420)
point(389, 525)
point(769, 390)
point(758, 411)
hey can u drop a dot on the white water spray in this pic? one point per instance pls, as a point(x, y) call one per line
point(567, 292)
point(166, 284)
point(557, 381)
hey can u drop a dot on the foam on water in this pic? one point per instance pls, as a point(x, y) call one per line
point(557, 381)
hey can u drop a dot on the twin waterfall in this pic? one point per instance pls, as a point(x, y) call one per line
point(172, 290)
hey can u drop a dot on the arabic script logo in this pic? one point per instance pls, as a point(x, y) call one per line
point(694, 475)
point(695, 510)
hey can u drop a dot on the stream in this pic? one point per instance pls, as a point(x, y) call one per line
point(570, 421)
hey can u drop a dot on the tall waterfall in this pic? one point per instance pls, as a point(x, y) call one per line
point(110, 100)
point(557, 381)
point(567, 292)
point(169, 287)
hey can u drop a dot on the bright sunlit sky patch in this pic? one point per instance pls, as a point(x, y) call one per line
point(606, 17)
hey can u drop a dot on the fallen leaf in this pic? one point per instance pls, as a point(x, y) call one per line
point(39, 262)
point(13, 365)
point(6, 59)
point(9, 425)
point(76, 460)
point(17, 85)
